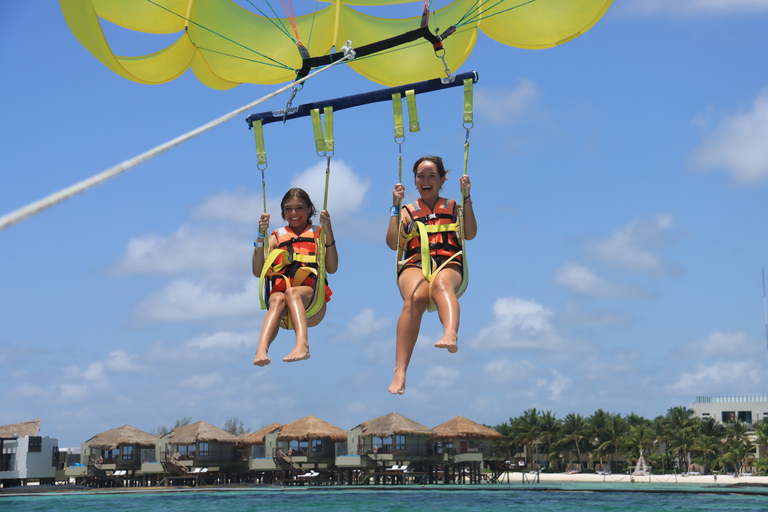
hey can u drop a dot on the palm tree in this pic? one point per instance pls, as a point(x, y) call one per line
point(761, 435)
point(661, 438)
point(636, 419)
point(526, 430)
point(680, 421)
point(574, 432)
point(549, 429)
point(597, 423)
point(680, 417)
point(736, 430)
point(507, 443)
point(736, 452)
point(680, 442)
point(611, 437)
point(639, 438)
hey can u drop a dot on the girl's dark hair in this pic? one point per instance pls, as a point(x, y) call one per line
point(435, 160)
point(299, 194)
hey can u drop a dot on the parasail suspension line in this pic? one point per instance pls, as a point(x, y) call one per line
point(261, 161)
point(468, 123)
point(62, 195)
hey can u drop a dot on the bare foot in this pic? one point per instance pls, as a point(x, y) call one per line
point(261, 360)
point(398, 383)
point(297, 354)
point(448, 342)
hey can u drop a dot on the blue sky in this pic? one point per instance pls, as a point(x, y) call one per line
point(619, 182)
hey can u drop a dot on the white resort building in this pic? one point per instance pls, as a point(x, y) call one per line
point(747, 408)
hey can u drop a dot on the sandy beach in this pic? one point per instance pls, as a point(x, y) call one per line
point(576, 478)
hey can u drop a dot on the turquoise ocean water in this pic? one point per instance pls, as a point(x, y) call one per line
point(507, 498)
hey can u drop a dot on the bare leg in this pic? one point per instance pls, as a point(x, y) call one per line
point(297, 299)
point(415, 292)
point(444, 288)
point(270, 328)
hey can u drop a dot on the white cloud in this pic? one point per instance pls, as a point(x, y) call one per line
point(191, 248)
point(583, 281)
point(234, 207)
point(363, 325)
point(219, 341)
point(721, 377)
point(120, 362)
point(505, 371)
point(94, 372)
point(738, 145)
point(502, 105)
point(573, 313)
point(203, 382)
point(73, 392)
point(519, 324)
point(186, 301)
point(439, 377)
point(721, 346)
point(30, 391)
point(554, 385)
point(636, 246)
point(346, 190)
point(692, 7)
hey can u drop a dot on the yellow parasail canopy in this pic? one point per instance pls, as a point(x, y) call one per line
point(226, 45)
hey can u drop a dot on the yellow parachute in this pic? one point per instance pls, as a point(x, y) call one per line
point(226, 45)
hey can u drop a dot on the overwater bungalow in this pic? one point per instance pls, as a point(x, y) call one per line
point(25, 456)
point(201, 452)
point(254, 447)
point(302, 451)
point(119, 454)
point(390, 445)
point(465, 445)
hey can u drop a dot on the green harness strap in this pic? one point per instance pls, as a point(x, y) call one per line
point(413, 126)
point(324, 145)
point(422, 231)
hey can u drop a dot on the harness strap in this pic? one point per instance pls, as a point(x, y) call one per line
point(413, 115)
point(323, 141)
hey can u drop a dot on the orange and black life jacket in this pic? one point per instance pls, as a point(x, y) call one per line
point(442, 244)
point(300, 249)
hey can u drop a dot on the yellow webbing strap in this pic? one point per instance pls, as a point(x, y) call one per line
point(397, 108)
point(468, 124)
point(318, 298)
point(323, 142)
point(318, 294)
point(464, 266)
point(468, 84)
point(413, 115)
point(261, 152)
point(267, 269)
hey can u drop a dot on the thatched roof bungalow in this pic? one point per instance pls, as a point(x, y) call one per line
point(309, 437)
point(462, 436)
point(201, 441)
point(391, 434)
point(17, 430)
point(120, 446)
point(24, 455)
point(257, 438)
point(255, 445)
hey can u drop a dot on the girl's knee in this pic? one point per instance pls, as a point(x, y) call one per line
point(418, 300)
point(276, 300)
